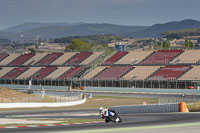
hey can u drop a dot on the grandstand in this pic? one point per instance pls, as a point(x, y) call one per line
point(43, 73)
point(35, 59)
point(21, 59)
point(154, 69)
point(133, 57)
point(5, 70)
point(48, 59)
point(78, 58)
point(114, 58)
point(28, 73)
point(140, 72)
point(3, 56)
point(113, 72)
point(187, 57)
point(93, 73)
point(161, 57)
point(63, 58)
point(9, 59)
point(14, 73)
point(70, 73)
point(169, 73)
point(57, 73)
point(193, 74)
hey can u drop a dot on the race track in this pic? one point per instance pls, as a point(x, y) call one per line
point(129, 121)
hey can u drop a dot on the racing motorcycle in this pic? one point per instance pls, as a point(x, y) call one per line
point(112, 116)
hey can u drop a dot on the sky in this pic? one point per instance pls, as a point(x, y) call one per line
point(124, 12)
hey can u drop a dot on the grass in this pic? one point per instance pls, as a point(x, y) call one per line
point(64, 121)
point(194, 107)
point(9, 96)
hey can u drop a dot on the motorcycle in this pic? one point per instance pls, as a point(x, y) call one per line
point(112, 116)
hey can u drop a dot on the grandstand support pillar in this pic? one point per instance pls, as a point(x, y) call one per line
point(135, 84)
point(176, 84)
point(151, 83)
point(167, 84)
point(185, 85)
point(142, 83)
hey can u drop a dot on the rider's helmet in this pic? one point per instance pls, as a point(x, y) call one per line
point(100, 109)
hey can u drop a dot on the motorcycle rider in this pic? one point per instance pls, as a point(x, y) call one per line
point(106, 113)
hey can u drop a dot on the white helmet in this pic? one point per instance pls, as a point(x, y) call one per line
point(101, 108)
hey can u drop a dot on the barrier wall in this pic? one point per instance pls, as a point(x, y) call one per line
point(36, 105)
point(151, 108)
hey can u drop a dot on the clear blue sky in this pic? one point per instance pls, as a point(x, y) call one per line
point(126, 12)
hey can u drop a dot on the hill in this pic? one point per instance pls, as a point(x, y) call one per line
point(181, 33)
point(52, 31)
point(32, 25)
point(57, 30)
point(47, 32)
point(157, 29)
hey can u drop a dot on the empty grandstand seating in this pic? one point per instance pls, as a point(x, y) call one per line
point(35, 59)
point(187, 57)
point(21, 59)
point(43, 73)
point(78, 58)
point(70, 73)
point(57, 73)
point(115, 57)
point(91, 58)
point(161, 57)
point(9, 59)
point(3, 56)
point(93, 72)
point(28, 73)
point(169, 73)
point(15, 72)
point(48, 59)
point(62, 59)
point(140, 72)
point(133, 57)
point(5, 70)
point(113, 72)
point(193, 74)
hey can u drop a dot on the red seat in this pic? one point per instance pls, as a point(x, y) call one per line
point(21, 59)
point(43, 73)
point(48, 59)
point(115, 57)
point(70, 73)
point(15, 73)
point(169, 73)
point(113, 72)
point(78, 58)
point(161, 57)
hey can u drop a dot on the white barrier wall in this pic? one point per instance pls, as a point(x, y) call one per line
point(36, 105)
point(151, 108)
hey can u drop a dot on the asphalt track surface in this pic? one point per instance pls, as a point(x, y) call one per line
point(129, 120)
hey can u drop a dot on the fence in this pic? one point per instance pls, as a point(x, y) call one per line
point(173, 84)
point(38, 98)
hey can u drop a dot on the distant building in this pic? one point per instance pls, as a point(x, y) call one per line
point(119, 47)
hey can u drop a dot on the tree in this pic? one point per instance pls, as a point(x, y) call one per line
point(166, 45)
point(32, 50)
point(78, 45)
point(188, 44)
